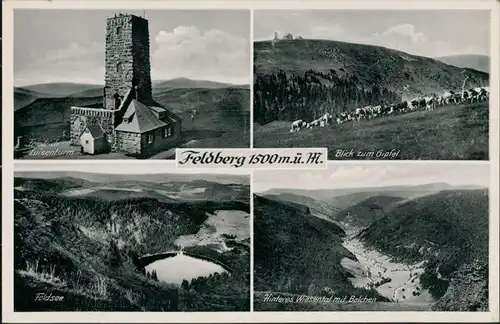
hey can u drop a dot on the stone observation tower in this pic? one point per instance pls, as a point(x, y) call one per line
point(129, 120)
point(127, 59)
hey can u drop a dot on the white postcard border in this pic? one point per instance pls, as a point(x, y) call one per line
point(101, 317)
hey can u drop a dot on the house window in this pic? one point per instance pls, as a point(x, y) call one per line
point(118, 67)
point(168, 131)
point(150, 138)
point(118, 30)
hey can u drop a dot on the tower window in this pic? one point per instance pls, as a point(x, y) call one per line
point(118, 67)
point(118, 30)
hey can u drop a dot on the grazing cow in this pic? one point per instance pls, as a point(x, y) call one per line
point(387, 110)
point(430, 103)
point(327, 118)
point(297, 125)
point(359, 113)
point(455, 98)
point(370, 112)
point(376, 111)
point(472, 95)
point(402, 106)
point(413, 104)
point(447, 97)
point(484, 93)
point(343, 117)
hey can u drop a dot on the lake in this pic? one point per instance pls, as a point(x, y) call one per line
point(176, 269)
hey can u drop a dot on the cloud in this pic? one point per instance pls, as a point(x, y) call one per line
point(75, 52)
point(184, 52)
point(404, 37)
point(73, 63)
point(214, 55)
point(404, 31)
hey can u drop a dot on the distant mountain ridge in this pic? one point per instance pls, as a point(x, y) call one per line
point(70, 89)
point(355, 207)
point(323, 194)
point(471, 61)
point(153, 177)
point(222, 112)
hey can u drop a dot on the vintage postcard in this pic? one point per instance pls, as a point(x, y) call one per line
point(250, 161)
point(122, 84)
point(101, 238)
point(396, 237)
point(384, 84)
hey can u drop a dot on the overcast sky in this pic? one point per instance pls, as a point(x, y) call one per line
point(363, 175)
point(68, 45)
point(426, 33)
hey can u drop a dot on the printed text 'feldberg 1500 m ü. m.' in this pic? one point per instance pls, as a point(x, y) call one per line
point(310, 158)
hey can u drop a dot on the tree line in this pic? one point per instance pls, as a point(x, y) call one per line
point(288, 96)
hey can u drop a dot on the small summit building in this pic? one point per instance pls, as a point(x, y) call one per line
point(129, 121)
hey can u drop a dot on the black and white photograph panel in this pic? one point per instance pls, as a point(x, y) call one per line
point(407, 237)
point(373, 84)
point(114, 84)
point(108, 238)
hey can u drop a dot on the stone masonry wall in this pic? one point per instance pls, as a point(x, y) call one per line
point(81, 117)
point(127, 58)
point(128, 142)
point(141, 55)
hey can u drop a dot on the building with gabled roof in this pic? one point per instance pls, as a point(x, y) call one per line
point(130, 120)
point(93, 140)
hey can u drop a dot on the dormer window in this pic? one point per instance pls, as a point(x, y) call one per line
point(126, 120)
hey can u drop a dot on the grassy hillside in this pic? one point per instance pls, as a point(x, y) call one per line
point(298, 253)
point(301, 78)
point(223, 114)
point(86, 249)
point(23, 97)
point(450, 231)
point(44, 111)
point(316, 207)
point(471, 61)
point(447, 133)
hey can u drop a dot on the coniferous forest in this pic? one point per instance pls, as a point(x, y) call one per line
point(289, 96)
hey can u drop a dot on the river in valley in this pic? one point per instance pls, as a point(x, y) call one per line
point(397, 281)
point(183, 267)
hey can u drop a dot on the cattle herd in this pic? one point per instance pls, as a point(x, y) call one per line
point(423, 103)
